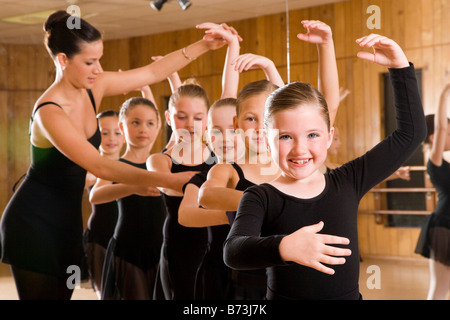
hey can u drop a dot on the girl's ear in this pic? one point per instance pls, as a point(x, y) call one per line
point(330, 137)
point(121, 127)
point(235, 125)
point(167, 115)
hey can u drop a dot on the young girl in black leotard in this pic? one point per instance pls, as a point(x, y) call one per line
point(103, 218)
point(277, 223)
point(41, 227)
point(183, 248)
point(133, 252)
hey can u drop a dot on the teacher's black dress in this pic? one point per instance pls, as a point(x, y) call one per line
point(42, 228)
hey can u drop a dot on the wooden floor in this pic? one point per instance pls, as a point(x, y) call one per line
point(399, 280)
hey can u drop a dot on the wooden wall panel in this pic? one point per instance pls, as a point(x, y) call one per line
point(4, 185)
point(419, 26)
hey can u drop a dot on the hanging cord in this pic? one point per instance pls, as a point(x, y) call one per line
point(288, 57)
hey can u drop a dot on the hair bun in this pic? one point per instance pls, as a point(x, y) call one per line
point(191, 81)
point(54, 18)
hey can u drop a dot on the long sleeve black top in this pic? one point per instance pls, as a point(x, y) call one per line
point(265, 214)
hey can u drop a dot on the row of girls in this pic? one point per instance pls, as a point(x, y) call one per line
point(248, 214)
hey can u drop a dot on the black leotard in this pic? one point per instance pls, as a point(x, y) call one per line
point(42, 226)
point(137, 241)
point(434, 239)
point(99, 230)
point(213, 279)
point(247, 284)
point(183, 247)
point(242, 185)
point(102, 222)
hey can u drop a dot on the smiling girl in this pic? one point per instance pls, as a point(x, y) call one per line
point(278, 223)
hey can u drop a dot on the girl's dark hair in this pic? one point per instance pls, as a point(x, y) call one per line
point(252, 89)
point(429, 119)
point(224, 102)
point(60, 37)
point(133, 102)
point(107, 113)
point(293, 95)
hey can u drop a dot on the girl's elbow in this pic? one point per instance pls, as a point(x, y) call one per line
point(93, 199)
point(203, 197)
point(421, 134)
point(229, 254)
point(183, 217)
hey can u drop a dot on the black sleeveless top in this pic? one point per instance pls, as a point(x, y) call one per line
point(101, 223)
point(41, 228)
point(242, 185)
point(174, 232)
point(138, 232)
point(51, 167)
point(183, 247)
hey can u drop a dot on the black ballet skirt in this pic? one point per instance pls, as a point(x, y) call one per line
point(183, 247)
point(42, 227)
point(248, 284)
point(434, 238)
point(100, 229)
point(133, 252)
point(213, 279)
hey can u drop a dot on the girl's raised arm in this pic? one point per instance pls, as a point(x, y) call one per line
point(440, 128)
point(386, 52)
point(230, 77)
point(250, 61)
point(320, 34)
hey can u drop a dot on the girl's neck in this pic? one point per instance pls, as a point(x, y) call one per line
point(252, 157)
point(111, 156)
point(189, 152)
point(306, 188)
point(136, 155)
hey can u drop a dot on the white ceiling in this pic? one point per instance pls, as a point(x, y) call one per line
point(131, 18)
